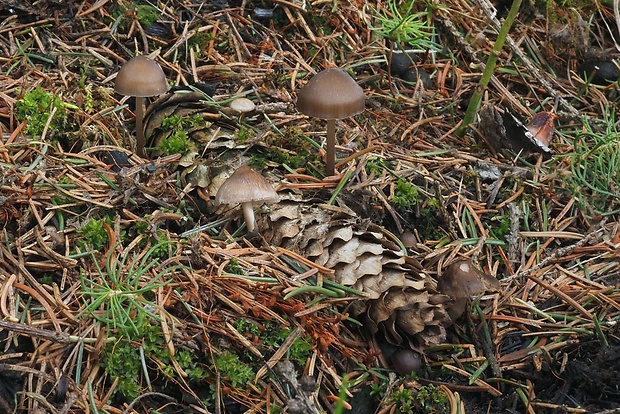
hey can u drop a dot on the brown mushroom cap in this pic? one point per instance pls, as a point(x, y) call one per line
point(141, 77)
point(331, 94)
point(542, 127)
point(406, 361)
point(245, 185)
point(408, 239)
point(462, 279)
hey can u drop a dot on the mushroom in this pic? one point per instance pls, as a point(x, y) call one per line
point(331, 94)
point(408, 238)
point(542, 127)
point(246, 186)
point(461, 280)
point(242, 105)
point(140, 77)
point(406, 361)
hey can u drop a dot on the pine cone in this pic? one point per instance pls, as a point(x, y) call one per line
point(401, 301)
point(217, 130)
point(216, 151)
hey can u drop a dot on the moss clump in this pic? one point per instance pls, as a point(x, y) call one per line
point(36, 106)
point(269, 337)
point(405, 194)
point(200, 43)
point(94, 234)
point(232, 369)
point(416, 400)
point(177, 141)
point(122, 360)
point(293, 149)
point(146, 14)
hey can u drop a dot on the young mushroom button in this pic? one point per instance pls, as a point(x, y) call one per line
point(331, 94)
point(246, 186)
point(406, 361)
point(140, 77)
point(461, 280)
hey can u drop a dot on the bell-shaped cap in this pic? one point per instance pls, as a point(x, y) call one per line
point(141, 77)
point(331, 94)
point(245, 185)
point(242, 105)
point(462, 279)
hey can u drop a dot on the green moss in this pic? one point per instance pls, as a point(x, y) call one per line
point(322, 23)
point(428, 223)
point(374, 167)
point(47, 279)
point(232, 369)
point(424, 400)
point(500, 227)
point(122, 359)
point(293, 149)
point(243, 134)
point(200, 43)
point(94, 234)
point(274, 409)
point(36, 106)
point(146, 14)
point(277, 156)
point(299, 350)
point(178, 141)
point(405, 194)
point(270, 336)
point(430, 400)
point(190, 366)
point(161, 242)
point(234, 268)
point(563, 11)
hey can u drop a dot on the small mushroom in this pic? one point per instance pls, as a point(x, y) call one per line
point(246, 187)
point(461, 280)
point(242, 105)
point(331, 94)
point(140, 77)
point(406, 361)
point(408, 238)
point(542, 127)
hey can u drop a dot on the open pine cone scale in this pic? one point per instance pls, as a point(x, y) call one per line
point(400, 300)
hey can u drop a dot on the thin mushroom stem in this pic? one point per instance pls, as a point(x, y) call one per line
point(139, 127)
point(248, 215)
point(330, 161)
